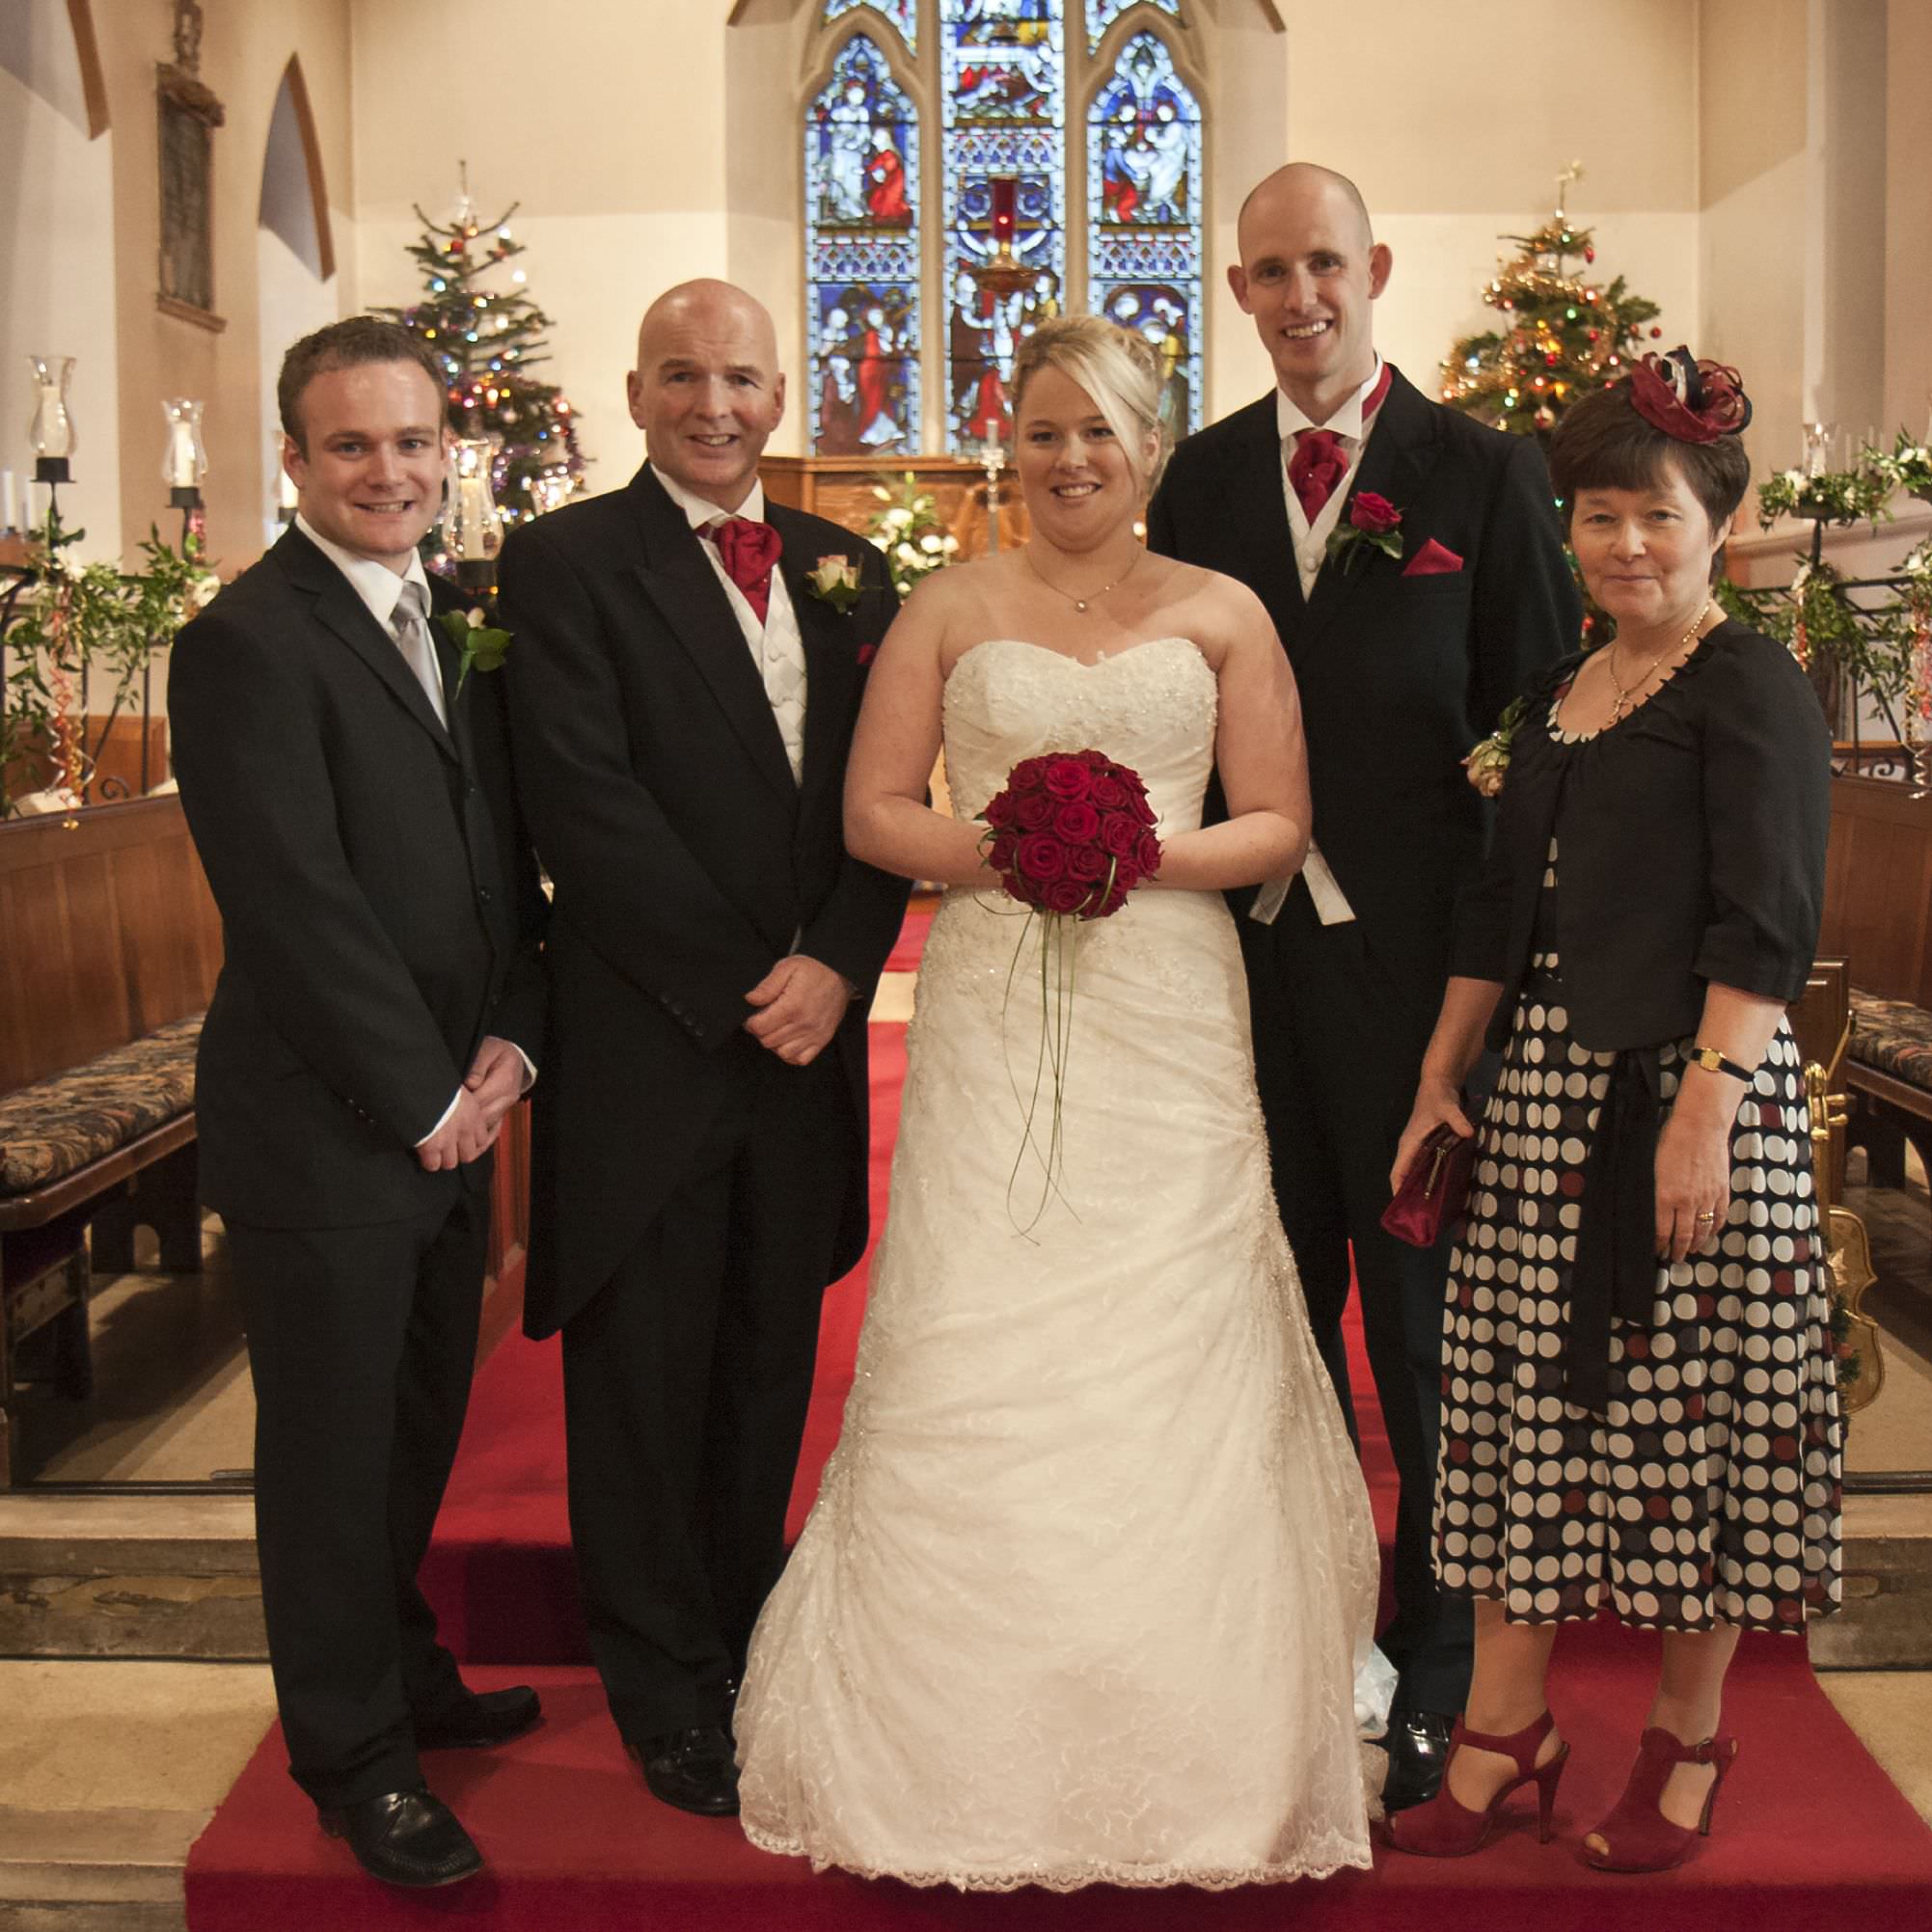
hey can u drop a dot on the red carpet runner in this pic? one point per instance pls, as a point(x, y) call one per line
point(1809, 1833)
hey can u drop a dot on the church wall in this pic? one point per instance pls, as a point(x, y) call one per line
point(57, 267)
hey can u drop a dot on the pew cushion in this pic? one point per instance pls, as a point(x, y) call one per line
point(1893, 1036)
point(59, 1125)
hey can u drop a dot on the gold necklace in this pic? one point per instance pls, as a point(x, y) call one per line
point(1625, 697)
point(1092, 596)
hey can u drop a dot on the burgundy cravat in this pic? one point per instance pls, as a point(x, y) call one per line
point(1319, 462)
point(1321, 458)
point(747, 550)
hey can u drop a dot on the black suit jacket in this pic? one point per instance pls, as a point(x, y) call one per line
point(1399, 676)
point(1691, 843)
point(686, 860)
point(379, 901)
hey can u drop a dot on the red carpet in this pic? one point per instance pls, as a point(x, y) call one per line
point(911, 941)
point(1809, 1833)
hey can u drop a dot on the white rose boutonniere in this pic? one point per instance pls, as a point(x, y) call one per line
point(835, 580)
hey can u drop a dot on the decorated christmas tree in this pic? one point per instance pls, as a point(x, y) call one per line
point(1563, 331)
point(487, 331)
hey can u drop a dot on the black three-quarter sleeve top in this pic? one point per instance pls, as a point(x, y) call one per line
point(1692, 841)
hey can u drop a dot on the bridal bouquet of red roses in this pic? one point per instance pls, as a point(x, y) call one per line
point(1071, 834)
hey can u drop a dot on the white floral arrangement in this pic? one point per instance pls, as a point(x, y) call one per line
point(908, 531)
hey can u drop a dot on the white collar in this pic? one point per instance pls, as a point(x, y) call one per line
point(1290, 418)
point(373, 582)
point(699, 512)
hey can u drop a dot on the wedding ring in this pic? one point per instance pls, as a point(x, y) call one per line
point(1706, 1215)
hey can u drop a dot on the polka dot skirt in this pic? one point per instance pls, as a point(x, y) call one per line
point(1710, 1493)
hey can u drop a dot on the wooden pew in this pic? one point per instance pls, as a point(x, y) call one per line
point(1878, 916)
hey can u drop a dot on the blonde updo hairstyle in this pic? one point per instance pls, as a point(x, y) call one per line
point(1115, 366)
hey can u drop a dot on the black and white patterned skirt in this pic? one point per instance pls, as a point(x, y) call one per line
point(1709, 1491)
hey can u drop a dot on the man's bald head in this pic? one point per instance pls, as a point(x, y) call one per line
point(1310, 269)
point(707, 391)
point(706, 303)
point(1298, 181)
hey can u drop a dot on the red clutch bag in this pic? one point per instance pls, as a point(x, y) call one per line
point(1434, 1190)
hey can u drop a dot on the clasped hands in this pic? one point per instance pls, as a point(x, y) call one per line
point(490, 1089)
point(800, 1004)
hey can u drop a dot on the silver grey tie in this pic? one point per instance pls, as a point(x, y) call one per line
point(410, 626)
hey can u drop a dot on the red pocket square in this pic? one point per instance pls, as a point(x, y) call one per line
point(1432, 560)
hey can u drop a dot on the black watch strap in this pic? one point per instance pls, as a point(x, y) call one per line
point(1714, 1062)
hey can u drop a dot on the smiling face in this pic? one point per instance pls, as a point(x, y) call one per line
point(1646, 553)
point(369, 474)
point(1308, 272)
point(1079, 483)
point(706, 390)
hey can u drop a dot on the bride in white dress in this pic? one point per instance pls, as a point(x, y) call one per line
point(1091, 1579)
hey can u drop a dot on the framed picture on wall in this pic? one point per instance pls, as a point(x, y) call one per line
point(187, 115)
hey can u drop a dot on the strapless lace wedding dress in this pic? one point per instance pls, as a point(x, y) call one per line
point(1089, 1592)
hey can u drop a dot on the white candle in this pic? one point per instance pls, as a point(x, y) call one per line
point(51, 412)
point(9, 502)
point(183, 473)
point(472, 516)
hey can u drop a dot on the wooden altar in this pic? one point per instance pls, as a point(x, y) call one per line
point(840, 488)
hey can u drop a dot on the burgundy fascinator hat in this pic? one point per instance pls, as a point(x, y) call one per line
point(1693, 401)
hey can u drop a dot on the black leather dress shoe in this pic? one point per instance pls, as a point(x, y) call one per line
point(1418, 1748)
point(481, 1719)
point(405, 1838)
point(696, 1769)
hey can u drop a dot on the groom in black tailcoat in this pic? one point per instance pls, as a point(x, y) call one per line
point(1403, 662)
point(683, 698)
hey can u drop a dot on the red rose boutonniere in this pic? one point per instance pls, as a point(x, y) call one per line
point(1373, 521)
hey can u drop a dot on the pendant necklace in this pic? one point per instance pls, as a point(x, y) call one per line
point(1625, 697)
point(1092, 596)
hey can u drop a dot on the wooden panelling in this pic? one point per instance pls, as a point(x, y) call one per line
point(841, 488)
point(1878, 888)
point(110, 932)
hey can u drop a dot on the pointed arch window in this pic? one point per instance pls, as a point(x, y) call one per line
point(904, 15)
point(1122, 235)
point(863, 258)
point(1144, 216)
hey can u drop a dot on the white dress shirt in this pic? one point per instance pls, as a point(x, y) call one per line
point(1311, 550)
point(776, 648)
point(381, 589)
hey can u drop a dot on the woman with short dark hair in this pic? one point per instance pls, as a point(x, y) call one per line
point(1639, 1411)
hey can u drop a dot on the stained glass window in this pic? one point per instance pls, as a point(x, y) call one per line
point(1003, 90)
point(1144, 215)
point(1100, 14)
point(863, 258)
point(903, 13)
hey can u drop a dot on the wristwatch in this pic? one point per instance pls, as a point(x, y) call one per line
point(1714, 1062)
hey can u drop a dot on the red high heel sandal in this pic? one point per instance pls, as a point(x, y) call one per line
point(1639, 1838)
point(1446, 1827)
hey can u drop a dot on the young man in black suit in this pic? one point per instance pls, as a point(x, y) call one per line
point(683, 700)
point(377, 1015)
point(1403, 662)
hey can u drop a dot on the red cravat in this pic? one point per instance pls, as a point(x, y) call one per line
point(747, 550)
point(1321, 458)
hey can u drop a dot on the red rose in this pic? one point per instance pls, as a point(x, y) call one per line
point(999, 810)
point(1096, 761)
point(1088, 862)
point(1372, 513)
point(1016, 888)
point(1066, 779)
point(1040, 857)
point(1027, 774)
point(1142, 812)
point(1076, 823)
point(1066, 895)
point(1000, 855)
point(1119, 835)
point(1108, 794)
point(1034, 812)
point(1126, 876)
point(1147, 852)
